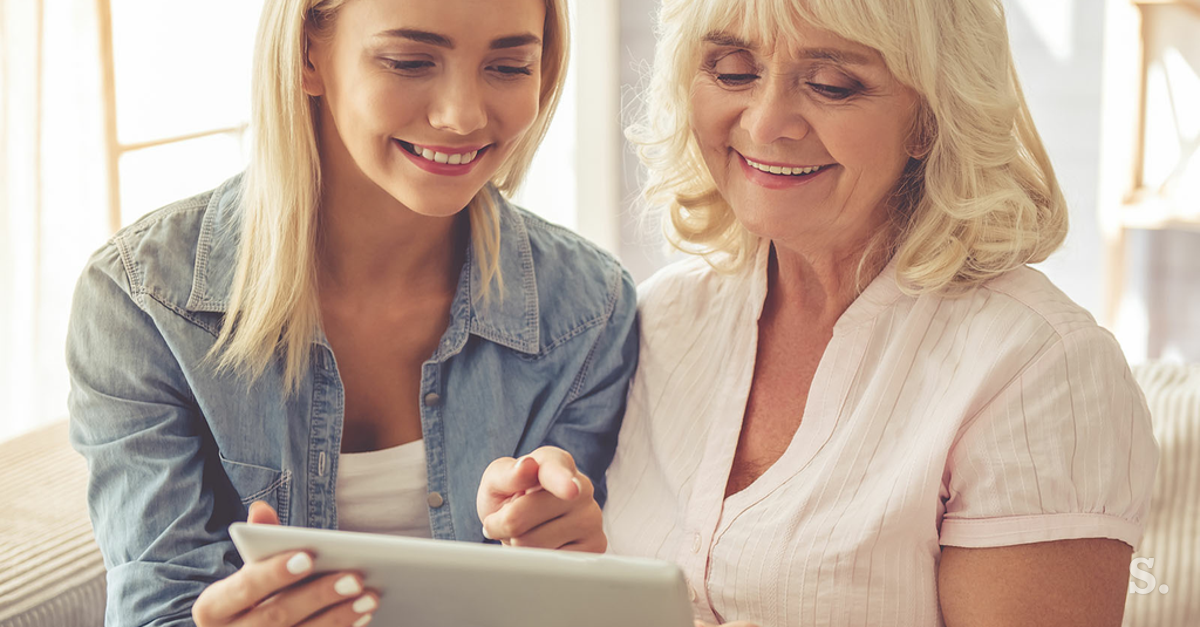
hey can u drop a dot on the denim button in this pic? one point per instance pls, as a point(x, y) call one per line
point(435, 500)
point(432, 400)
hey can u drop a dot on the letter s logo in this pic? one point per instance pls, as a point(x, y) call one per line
point(1143, 576)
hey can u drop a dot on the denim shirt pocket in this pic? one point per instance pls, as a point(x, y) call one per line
point(259, 483)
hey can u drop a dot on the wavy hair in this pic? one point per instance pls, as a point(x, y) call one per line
point(273, 307)
point(980, 200)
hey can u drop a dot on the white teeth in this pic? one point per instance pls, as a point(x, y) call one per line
point(775, 169)
point(461, 158)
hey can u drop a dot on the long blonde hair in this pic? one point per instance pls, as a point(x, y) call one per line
point(981, 199)
point(273, 306)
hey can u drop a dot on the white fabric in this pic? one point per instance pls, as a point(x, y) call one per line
point(384, 491)
point(53, 197)
point(1005, 416)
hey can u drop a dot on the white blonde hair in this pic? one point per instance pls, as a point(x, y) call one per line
point(273, 306)
point(981, 199)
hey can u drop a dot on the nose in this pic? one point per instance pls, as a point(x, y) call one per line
point(457, 105)
point(774, 113)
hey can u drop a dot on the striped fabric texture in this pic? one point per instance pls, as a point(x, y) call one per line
point(51, 571)
point(1173, 529)
point(1005, 416)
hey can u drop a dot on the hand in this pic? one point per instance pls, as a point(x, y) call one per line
point(540, 500)
point(282, 592)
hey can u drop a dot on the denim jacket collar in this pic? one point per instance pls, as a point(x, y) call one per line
point(508, 317)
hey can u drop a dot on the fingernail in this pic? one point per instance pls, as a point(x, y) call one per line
point(299, 564)
point(363, 620)
point(578, 485)
point(364, 604)
point(520, 462)
point(347, 586)
point(485, 534)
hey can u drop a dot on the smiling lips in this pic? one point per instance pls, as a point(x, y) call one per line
point(443, 160)
point(452, 158)
point(783, 170)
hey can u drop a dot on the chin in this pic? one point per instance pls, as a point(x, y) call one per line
point(439, 210)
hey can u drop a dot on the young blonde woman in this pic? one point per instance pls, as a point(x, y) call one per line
point(857, 406)
point(353, 328)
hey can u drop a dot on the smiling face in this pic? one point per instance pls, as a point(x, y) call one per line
point(425, 99)
point(806, 141)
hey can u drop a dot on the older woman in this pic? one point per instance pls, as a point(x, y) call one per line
point(857, 405)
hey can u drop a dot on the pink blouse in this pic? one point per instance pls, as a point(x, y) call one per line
point(1003, 416)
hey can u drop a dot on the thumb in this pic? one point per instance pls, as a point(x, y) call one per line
point(505, 478)
point(262, 514)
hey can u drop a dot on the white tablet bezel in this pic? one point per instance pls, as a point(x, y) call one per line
point(436, 583)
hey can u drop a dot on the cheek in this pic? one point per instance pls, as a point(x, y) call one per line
point(878, 146)
point(517, 108)
point(708, 118)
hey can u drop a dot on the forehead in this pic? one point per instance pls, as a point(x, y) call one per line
point(466, 19)
point(778, 26)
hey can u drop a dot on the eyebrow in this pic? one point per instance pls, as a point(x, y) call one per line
point(442, 41)
point(730, 41)
point(836, 55)
point(841, 57)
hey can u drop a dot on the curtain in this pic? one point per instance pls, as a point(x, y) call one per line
point(53, 195)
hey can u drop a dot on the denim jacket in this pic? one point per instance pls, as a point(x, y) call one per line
point(176, 452)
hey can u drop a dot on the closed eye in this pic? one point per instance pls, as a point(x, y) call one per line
point(832, 92)
point(408, 66)
point(512, 70)
point(737, 80)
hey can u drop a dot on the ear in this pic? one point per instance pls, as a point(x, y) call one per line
point(311, 80)
point(920, 139)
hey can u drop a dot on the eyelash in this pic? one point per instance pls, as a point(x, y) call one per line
point(505, 71)
point(828, 91)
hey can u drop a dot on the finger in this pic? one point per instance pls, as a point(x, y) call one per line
point(581, 529)
point(557, 473)
point(317, 602)
point(522, 514)
point(503, 479)
point(248, 587)
point(355, 613)
point(262, 514)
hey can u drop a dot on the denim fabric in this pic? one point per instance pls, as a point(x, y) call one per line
point(177, 453)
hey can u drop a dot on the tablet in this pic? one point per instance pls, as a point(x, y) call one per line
point(440, 583)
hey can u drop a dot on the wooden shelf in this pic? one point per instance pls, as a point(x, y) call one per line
point(1145, 209)
point(1188, 4)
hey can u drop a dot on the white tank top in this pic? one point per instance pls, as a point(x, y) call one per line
point(384, 491)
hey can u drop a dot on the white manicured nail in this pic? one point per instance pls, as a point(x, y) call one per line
point(364, 604)
point(347, 586)
point(363, 620)
point(578, 485)
point(299, 564)
point(485, 534)
point(519, 462)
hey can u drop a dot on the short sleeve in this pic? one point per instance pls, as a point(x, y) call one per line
point(1064, 451)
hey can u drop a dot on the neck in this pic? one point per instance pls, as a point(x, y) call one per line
point(370, 243)
point(819, 283)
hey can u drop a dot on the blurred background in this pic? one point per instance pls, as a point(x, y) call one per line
point(112, 108)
